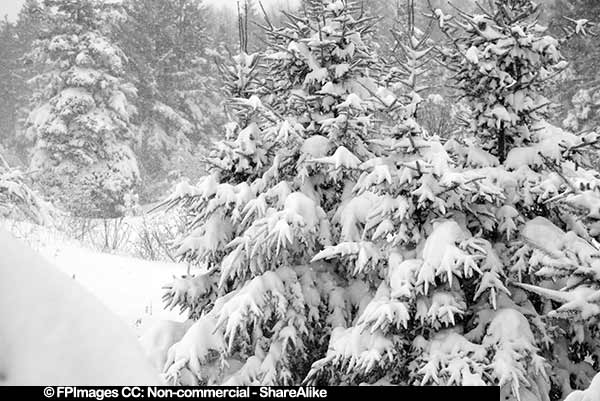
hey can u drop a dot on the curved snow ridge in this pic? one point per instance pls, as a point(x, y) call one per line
point(55, 332)
point(592, 393)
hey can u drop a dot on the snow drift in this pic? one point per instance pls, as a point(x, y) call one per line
point(53, 331)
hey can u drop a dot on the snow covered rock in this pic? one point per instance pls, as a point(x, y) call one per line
point(159, 337)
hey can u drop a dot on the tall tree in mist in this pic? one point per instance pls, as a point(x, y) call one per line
point(81, 118)
point(10, 82)
point(171, 61)
point(15, 70)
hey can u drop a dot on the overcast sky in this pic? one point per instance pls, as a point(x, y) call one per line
point(11, 7)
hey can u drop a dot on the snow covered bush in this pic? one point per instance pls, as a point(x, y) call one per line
point(17, 199)
point(335, 249)
point(140, 235)
point(155, 234)
point(81, 111)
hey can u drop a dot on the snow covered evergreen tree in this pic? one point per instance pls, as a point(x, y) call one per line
point(544, 223)
point(258, 221)
point(242, 154)
point(27, 28)
point(10, 84)
point(15, 71)
point(357, 252)
point(178, 103)
point(81, 117)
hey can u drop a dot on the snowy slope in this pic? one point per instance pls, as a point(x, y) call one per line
point(590, 394)
point(130, 287)
point(54, 331)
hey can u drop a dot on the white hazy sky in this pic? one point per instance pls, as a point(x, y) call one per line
point(12, 7)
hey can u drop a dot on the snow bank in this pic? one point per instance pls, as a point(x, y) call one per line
point(54, 332)
point(131, 288)
point(591, 394)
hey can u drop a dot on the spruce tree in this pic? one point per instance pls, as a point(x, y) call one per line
point(362, 252)
point(10, 84)
point(261, 217)
point(544, 224)
point(81, 117)
point(20, 69)
point(171, 64)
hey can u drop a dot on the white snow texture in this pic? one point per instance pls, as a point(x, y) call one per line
point(54, 332)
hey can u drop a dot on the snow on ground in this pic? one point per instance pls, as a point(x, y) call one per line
point(55, 332)
point(130, 287)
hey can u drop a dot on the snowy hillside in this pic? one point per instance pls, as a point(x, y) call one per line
point(55, 332)
point(129, 287)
